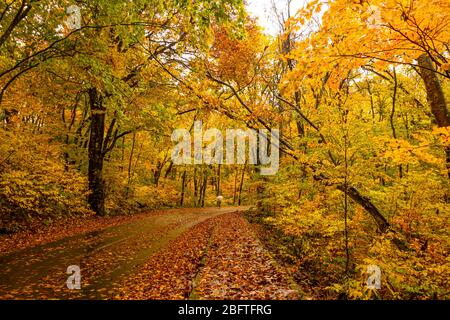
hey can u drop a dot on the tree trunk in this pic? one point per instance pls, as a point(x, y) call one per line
point(260, 186)
point(122, 167)
point(96, 197)
point(203, 191)
point(130, 163)
point(218, 180)
point(183, 186)
point(241, 185)
point(168, 170)
point(365, 202)
point(196, 182)
point(435, 97)
point(157, 173)
point(393, 115)
point(235, 185)
point(354, 194)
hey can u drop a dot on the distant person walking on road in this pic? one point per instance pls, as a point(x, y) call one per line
point(219, 201)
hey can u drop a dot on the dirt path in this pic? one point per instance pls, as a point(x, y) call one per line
point(103, 256)
point(156, 257)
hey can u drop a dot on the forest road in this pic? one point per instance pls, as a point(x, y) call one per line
point(104, 256)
